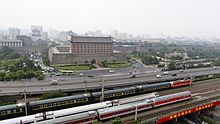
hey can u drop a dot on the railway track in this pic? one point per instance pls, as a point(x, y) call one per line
point(200, 91)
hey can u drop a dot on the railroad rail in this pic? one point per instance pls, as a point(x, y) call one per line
point(202, 94)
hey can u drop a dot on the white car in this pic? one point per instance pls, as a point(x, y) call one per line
point(54, 82)
point(111, 71)
point(159, 76)
point(81, 74)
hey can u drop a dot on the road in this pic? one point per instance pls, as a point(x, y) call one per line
point(77, 85)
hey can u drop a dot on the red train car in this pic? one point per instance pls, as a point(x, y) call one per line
point(181, 83)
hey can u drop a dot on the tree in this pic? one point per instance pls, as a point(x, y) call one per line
point(93, 61)
point(2, 74)
point(13, 75)
point(7, 77)
point(40, 77)
point(30, 74)
point(20, 74)
point(116, 121)
point(75, 63)
point(172, 65)
point(13, 55)
point(54, 94)
point(86, 62)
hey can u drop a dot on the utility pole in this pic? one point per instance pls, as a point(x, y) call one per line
point(102, 97)
point(85, 86)
point(25, 102)
point(136, 113)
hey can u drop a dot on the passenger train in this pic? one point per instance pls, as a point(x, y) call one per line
point(100, 111)
point(11, 111)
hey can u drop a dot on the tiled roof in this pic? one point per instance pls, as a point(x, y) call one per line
point(90, 39)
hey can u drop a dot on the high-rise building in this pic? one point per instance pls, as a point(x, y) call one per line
point(36, 32)
point(13, 32)
point(114, 33)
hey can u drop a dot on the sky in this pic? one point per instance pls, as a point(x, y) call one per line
point(170, 17)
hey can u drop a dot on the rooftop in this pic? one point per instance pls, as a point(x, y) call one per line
point(2, 40)
point(90, 39)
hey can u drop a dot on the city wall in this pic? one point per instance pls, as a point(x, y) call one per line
point(64, 58)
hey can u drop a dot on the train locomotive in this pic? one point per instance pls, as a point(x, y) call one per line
point(86, 115)
point(11, 111)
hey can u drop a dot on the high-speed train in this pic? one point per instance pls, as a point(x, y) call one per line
point(85, 114)
point(11, 111)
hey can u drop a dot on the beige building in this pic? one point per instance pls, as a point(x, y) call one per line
point(84, 45)
point(84, 48)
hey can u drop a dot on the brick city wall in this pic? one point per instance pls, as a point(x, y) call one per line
point(67, 59)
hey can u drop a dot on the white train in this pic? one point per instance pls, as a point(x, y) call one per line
point(74, 113)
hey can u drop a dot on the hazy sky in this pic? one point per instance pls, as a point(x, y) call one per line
point(174, 17)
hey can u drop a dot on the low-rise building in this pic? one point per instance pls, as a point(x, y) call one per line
point(11, 43)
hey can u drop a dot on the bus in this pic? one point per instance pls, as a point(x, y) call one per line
point(67, 72)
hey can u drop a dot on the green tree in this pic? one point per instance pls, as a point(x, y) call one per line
point(20, 74)
point(2, 74)
point(54, 94)
point(13, 55)
point(172, 65)
point(75, 63)
point(117, 120)
point(7, 77)
point(93, 61)
point(13, 75)
point(40, 77)
point(86, 62)
point(45, 59)
point(29, 74)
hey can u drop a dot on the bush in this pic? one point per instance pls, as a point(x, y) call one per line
point(117, 120)
point(40, 77)
point(54, 94)
point(207, 119)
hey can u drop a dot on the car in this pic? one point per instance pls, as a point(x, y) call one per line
point(81, 74)
point(165, 73)
point(159, 76)
point(53, 82)
point(90, 76)
point(132, 76)
point(214, 67)
point(58, 74)
point(174, 74)
point(111, 71)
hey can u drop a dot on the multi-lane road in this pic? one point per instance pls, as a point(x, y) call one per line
point(109, 81)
